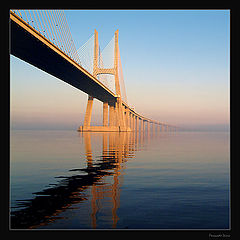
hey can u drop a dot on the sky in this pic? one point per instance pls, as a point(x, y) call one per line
point(176, 67)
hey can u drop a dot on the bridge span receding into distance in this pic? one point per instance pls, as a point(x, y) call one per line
point(30, 45)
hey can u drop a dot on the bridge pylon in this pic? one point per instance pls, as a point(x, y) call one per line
point(114, 119)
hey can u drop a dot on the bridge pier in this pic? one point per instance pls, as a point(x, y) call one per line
point(105, 114)
point(117, 118)
point(133, 119)
point(114, 119)
point(120, 115)
point(88, 114)
point(148, 126)
point(137, 127)
point(127, 115)
point(141, 124)
point(111, 115)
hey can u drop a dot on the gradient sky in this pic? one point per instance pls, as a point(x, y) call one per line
point(176, 66)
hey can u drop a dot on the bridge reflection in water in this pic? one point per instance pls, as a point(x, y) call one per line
point(51, 203)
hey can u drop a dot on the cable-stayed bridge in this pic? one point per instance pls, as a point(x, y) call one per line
point(43, 39)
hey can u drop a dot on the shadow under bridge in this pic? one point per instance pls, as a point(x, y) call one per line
point(30, 46)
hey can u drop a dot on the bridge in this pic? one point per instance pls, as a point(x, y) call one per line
point(43, 39)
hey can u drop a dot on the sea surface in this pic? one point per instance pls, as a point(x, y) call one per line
point(155, 180)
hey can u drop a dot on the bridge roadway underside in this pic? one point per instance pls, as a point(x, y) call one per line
point(30, 49)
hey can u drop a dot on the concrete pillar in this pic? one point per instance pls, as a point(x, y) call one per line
point(127, 117)
point(120, 115)
point(124, 116)
point(88, 114)
point(105, 114)
point(116, 116)
point(143, 126)
point(148, 127)
point(137, 126)
point(111, 115)
point(133, 122)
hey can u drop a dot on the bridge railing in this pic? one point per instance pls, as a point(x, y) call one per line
point(52, 24)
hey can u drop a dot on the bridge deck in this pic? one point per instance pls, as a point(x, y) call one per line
point(31, 47)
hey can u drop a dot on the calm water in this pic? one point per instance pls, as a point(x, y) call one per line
point(71, 180)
